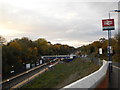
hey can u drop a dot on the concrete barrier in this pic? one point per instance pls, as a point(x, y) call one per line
point(92, 80)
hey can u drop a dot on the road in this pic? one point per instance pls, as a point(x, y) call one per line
point(23, 73)
point(14, 82)
point(115, 76)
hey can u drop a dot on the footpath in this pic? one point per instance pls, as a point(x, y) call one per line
point(115, 79)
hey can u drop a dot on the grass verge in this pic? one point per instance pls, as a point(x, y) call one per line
point(63, 74)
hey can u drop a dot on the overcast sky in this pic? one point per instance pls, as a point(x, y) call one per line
point(71, 22)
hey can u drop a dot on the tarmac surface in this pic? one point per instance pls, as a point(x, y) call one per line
point(115, 76)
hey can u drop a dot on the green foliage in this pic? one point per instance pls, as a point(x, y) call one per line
point(63, 74)
point(92, 49)
point(2, 40)
point(22, 51)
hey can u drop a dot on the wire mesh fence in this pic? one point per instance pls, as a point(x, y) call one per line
point(95, 60)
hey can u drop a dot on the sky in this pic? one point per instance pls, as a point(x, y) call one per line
point(71, 22)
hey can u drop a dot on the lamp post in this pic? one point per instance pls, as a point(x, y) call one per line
point(109, 46)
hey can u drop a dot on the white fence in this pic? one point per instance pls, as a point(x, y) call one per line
point(92, 80)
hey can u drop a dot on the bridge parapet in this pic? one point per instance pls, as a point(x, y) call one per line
point(58, 56)
point(92, 80)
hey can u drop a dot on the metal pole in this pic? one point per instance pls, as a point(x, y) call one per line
point(109, 53)
point(110, 56)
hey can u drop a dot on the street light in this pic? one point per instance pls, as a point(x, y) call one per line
point(117, 10)
point(109, 46)
point(113, 11)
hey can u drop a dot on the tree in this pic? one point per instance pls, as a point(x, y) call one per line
point(22, 51)
point(42, 46)
point(116, 56)
point(102, 40)
point(2, 40)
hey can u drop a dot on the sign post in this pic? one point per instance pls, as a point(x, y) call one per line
point(99, 55)
point(108, 24)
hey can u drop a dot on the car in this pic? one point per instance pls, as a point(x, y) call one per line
point(12, 71)
point(50, 66)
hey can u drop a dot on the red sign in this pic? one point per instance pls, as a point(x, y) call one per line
point(108, 24)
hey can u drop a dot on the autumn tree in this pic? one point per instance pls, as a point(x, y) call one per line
point(19, 52)
point(2, 40)
point(116, 44)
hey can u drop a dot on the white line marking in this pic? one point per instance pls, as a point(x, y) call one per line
point(23, 73)
point(116, 67)
point(30, 78)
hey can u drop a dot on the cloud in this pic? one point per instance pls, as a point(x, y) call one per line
point(67, 22)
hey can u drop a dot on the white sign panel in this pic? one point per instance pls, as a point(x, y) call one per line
point(27, 66)
point(40, 61)
point(100, 50)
